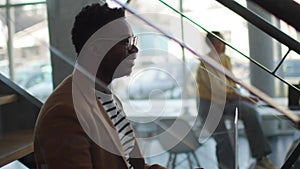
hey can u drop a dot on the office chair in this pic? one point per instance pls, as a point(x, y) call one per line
point(177, 137)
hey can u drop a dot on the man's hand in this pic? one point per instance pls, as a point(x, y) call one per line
point(251, 99)
point(239, 96)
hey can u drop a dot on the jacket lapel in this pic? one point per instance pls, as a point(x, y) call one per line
point(93, 117)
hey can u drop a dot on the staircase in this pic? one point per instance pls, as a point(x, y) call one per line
point(18, 113)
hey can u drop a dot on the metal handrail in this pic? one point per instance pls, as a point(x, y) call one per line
point(287, 10)
point(262, 24)
point(280, 36)
point(265, 26)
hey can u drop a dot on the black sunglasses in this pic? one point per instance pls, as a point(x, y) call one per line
point(132, 41)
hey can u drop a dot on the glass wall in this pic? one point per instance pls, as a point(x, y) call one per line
point(24, 52)
point(156, 50)
point(163, 82)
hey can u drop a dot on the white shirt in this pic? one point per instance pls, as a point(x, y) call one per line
point(120, 122)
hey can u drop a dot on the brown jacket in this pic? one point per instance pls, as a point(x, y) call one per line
point(60, 142)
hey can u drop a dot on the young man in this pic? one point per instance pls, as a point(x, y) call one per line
point(217, 93)
point(82, 124)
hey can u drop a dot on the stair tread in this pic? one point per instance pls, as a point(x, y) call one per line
point(5, 99)
point(15, 145)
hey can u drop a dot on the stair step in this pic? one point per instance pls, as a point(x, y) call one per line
point(5, 99)
point(15, 145)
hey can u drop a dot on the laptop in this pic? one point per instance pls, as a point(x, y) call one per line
point(293, 98)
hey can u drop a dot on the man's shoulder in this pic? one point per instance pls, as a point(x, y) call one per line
point(61, 97)
point(66, 83)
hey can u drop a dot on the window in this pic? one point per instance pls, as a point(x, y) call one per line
point(25, 1)
point(24, 48)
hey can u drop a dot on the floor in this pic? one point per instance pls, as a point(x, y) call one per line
point(207, 158)
point(155, 154)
